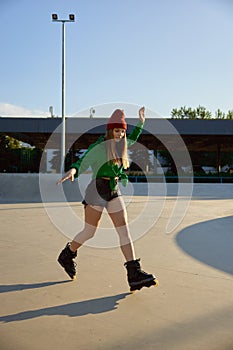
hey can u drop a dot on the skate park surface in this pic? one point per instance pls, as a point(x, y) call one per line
point(191, 309)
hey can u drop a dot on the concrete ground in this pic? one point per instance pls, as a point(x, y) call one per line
point(192, 309)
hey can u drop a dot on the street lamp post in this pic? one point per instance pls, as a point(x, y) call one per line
point(63, 132)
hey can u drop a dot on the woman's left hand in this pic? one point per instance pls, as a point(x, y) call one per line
point(141, 113)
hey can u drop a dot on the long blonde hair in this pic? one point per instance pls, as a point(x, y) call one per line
point(115, 155)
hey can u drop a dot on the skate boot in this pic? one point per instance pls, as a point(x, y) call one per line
point(65, 259)
point(138, 278)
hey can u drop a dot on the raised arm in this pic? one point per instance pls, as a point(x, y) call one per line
point(137, 130)
point(141, 114)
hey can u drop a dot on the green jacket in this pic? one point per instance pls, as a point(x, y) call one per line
point(96, 158)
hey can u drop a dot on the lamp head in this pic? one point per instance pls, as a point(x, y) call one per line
point(72, 17)
point(54, 17)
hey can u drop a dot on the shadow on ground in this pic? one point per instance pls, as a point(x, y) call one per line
point(81, 308)
point(5, 288)
point(210, 242)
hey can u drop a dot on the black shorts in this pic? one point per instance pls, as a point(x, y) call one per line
point(99, 193)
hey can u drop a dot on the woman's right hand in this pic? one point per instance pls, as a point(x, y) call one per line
point(68, 176)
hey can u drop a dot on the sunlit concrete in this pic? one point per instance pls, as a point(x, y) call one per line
point(191, 309)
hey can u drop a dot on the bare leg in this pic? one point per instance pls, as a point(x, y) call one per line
point(117, 212)
point(92, 219)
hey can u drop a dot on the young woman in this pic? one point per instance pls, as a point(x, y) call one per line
point(108, 158)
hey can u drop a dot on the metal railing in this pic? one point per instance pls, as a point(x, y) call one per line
point(195, 179)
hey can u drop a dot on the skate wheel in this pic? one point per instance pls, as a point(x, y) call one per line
point(73, 277)
point(156, 283)
point(135, 289)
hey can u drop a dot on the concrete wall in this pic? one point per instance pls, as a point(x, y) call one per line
point(17, 188)
point(35, 188)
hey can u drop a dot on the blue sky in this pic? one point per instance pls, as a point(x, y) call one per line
point(163, 54)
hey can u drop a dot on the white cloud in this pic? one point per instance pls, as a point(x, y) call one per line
point(9, 110)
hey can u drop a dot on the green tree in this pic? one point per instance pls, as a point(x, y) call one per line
point(15, 157)
point(202, 113)
point(188, 113)
point(219, 114)
point(229, 114)
point(176, 113)
point(8, 158)
point(8, 142)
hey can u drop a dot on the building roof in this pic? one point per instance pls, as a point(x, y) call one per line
point(196, 133)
